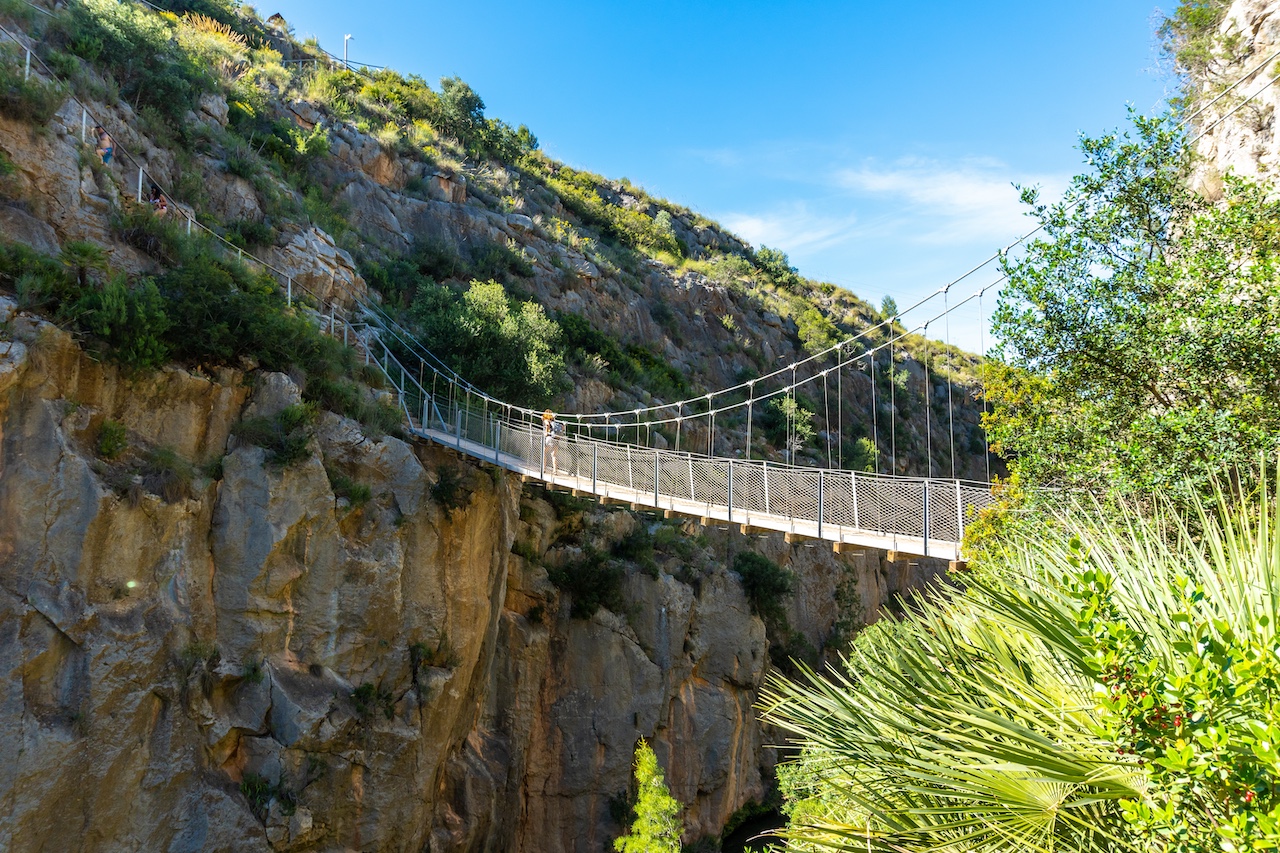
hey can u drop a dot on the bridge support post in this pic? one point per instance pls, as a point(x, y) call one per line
point(821, 503)
point(924, 485)
point(730, 501)
point(854, 484)
point(657, 470)
point(426, 411)
point(764, 469)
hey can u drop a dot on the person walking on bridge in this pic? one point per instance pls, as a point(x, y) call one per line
point(552, 429)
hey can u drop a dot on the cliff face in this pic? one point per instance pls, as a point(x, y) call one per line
point(251, 663)
point(1245, 141)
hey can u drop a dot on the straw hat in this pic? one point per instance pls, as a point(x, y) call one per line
point(548, 415)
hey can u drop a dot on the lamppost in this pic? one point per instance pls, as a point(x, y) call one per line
point(345, 39)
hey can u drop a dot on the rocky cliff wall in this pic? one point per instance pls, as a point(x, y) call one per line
point(255, 664)
point(1241, 137)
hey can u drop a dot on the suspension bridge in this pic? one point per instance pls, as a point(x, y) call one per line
point(595, 456)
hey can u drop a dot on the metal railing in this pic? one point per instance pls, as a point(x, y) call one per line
point(915, 515)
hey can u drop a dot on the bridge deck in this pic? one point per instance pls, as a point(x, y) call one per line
point(572, 476)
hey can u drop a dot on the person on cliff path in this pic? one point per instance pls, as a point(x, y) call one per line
point(552, 429)
point(158, 203)
point(106, 145)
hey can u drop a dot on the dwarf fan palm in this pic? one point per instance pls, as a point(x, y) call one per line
point(1104, 688)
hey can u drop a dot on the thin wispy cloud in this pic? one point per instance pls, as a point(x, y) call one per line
point(949, 203)
point(913, 201)
point(792, 225)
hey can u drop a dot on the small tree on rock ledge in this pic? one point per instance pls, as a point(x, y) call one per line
point(656, 828)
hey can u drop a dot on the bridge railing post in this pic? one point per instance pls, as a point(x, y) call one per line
point(457, 430)
point(959, 515)
point(853, 482)
point(821, 503)
point(595, 466)
point(729, 479)
point(657, 467)
point(924, 485)
point(497, 441)
point(764, 472)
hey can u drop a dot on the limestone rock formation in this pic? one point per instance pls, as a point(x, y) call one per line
point(255, 664)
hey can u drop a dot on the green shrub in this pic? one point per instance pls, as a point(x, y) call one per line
point(257, 790)
point(370, 698)
point(249, 233)
point(286, 436)
point(505, 347)
point(592, 582)
point(113, 440)
point(441, 656)
point(29, 100)
point(168, 475)
point(448, 492)
point(765, 584)
point(137, 48)
point(131, 322)
point(343, 486)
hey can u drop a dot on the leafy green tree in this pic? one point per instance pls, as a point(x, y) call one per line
point(509, 349)
point(888, 307)
point(656, 828)
point(460, 111)
point(1142, 333)
point(777, 266)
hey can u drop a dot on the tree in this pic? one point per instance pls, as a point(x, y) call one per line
point(1142, 332)
point(889, 308)
point(508, 349)
point(461, 111)
point(656, 828)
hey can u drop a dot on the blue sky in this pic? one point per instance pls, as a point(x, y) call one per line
point(876, 143)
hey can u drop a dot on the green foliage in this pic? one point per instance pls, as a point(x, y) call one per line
point(505, 347)
point(862, 455)
point(257, 790)
point(632, 363)
point(370, 698)
point(786, 419)
point(441, 656)
point(1107, 684)
point(448, 491)
point(766, 585)
point(358, 494)
point(168, 475)
point(1190, 34)
point(889, 307)
point(817, 332)
point(592, 581)
point(656, 828)
point(1143, 332)
point(113, 439)
point(249, 233)
point(777, 266)
point(581, 193)
point(130, 321)
point(138, 49)
point(29, 100)
point(286, 436)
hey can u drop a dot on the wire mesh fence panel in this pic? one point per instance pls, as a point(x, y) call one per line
point(644, 470)
point(674, 477)
point(711, 482)
point(612, 468)
point(748, 487)
point(838, 499)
